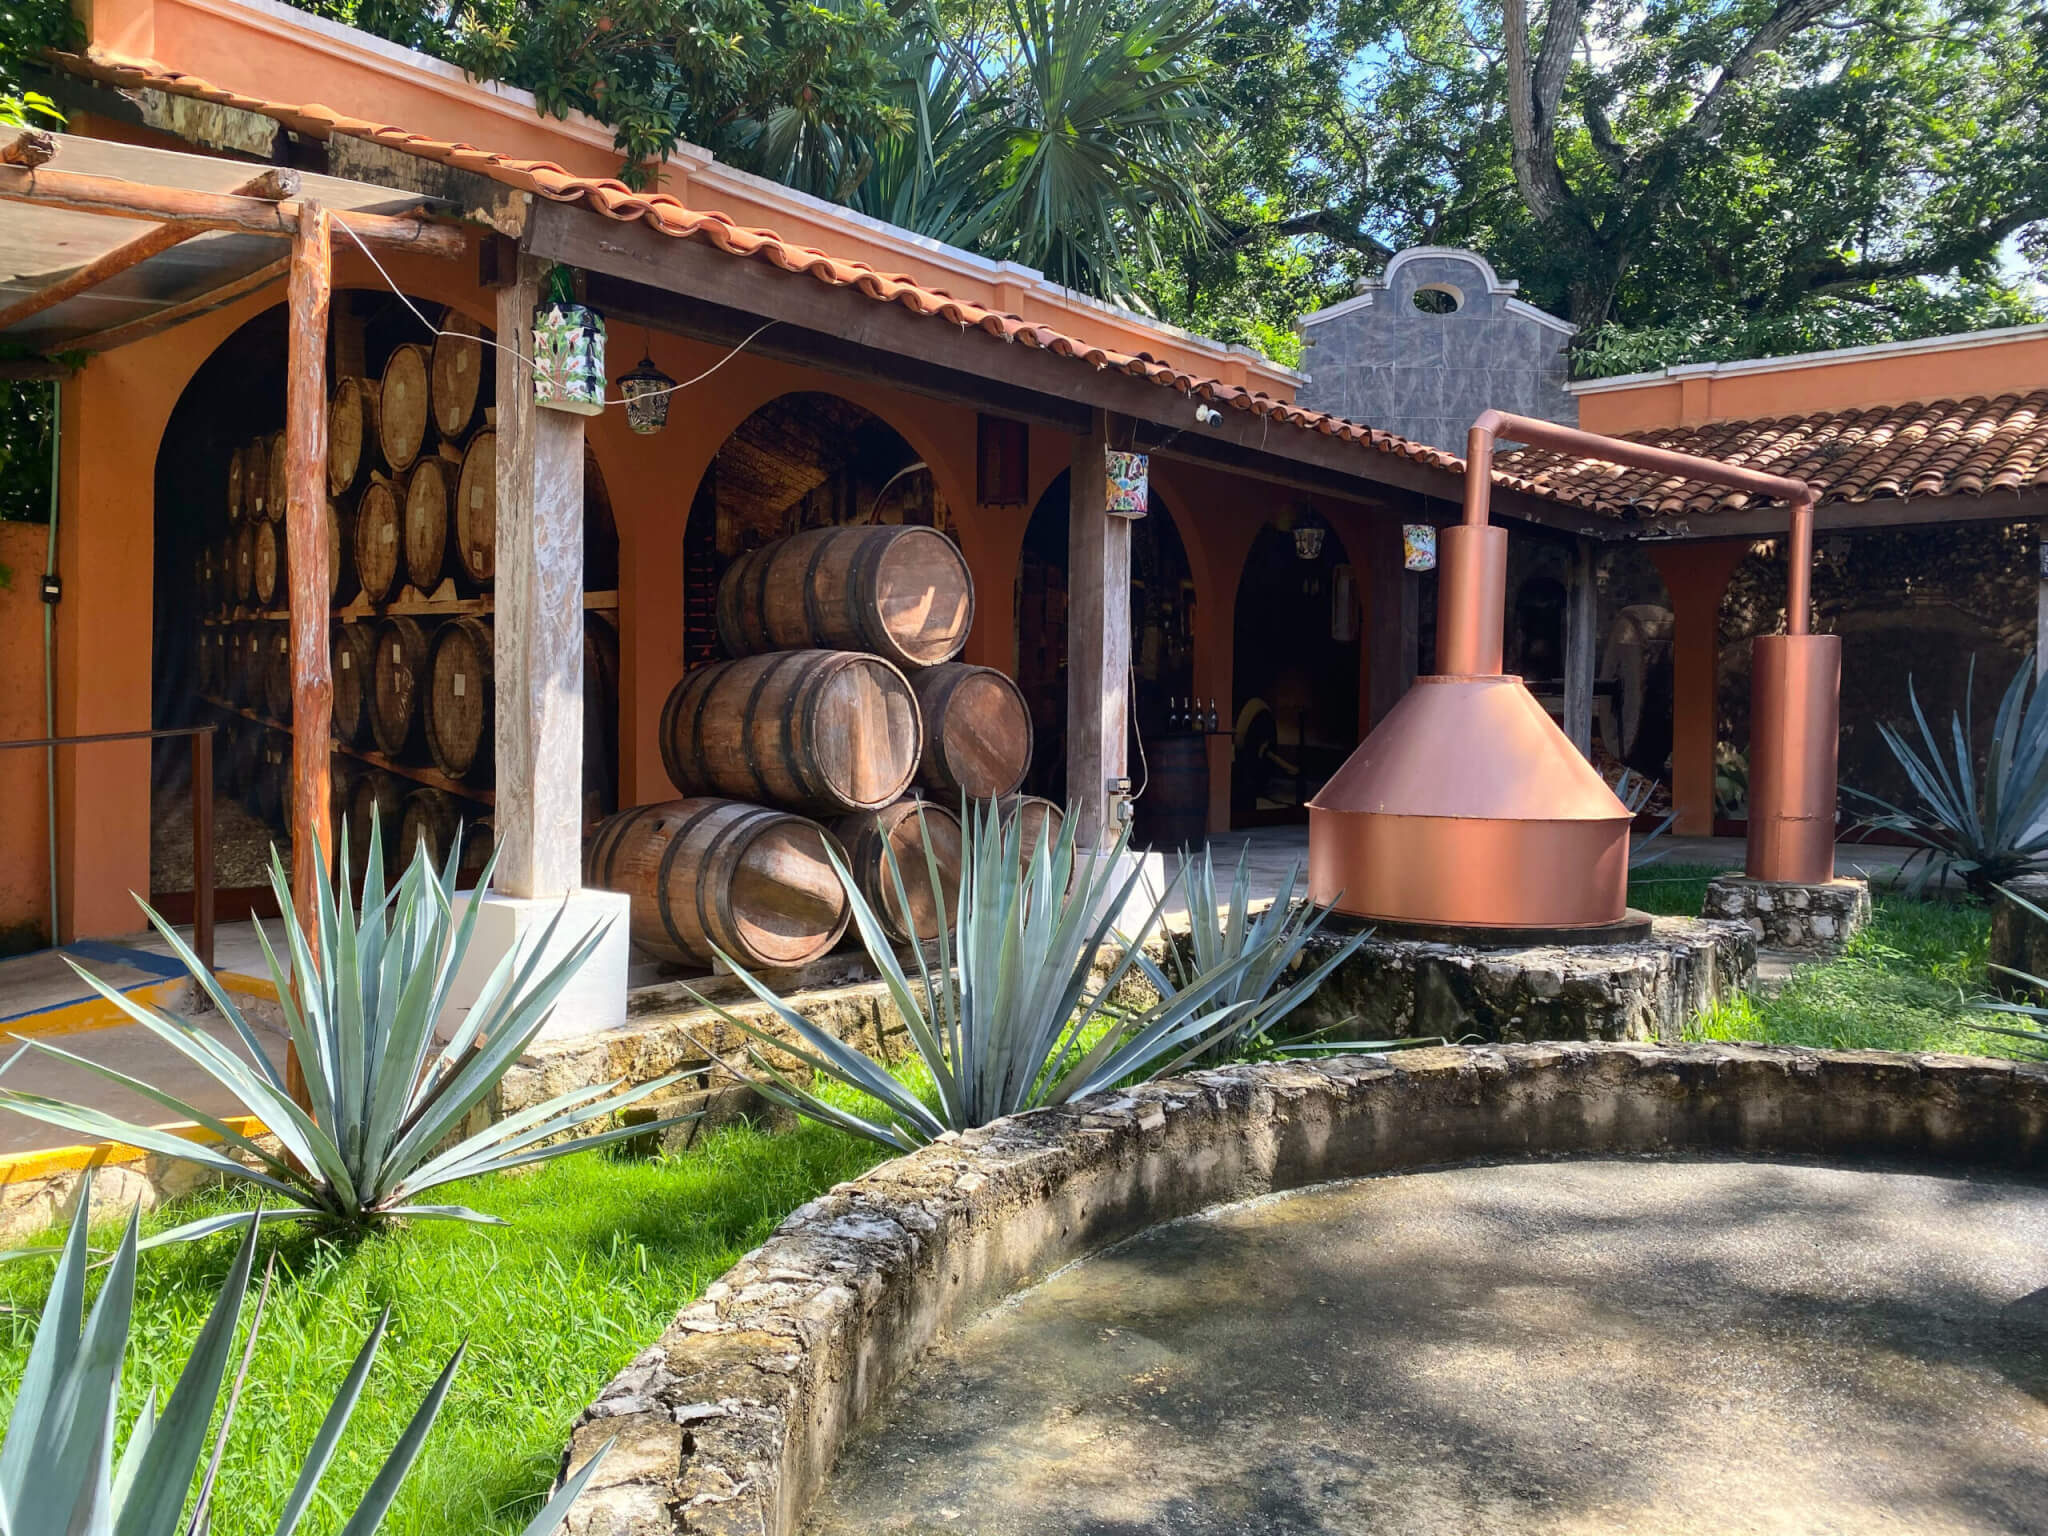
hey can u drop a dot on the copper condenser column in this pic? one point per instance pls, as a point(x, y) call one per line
point(1794, 703)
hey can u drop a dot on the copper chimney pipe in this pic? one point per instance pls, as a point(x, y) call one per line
point(1469, 807)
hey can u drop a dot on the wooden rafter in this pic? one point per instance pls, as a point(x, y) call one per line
point(214, 210)
point(273, 185)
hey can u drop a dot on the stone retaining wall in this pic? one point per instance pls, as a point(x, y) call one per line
point(730, 1422)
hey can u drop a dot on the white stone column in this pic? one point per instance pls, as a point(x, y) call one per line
point(538, 657)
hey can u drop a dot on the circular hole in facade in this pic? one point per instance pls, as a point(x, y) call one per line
point(1437, 299)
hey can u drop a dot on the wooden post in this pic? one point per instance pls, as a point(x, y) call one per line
point(1581, 643)
point(539, 627)
point(1098, 640)
point(306, 537)
point(1394, 639)
point(2041, 609)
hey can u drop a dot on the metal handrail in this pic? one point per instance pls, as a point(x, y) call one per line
point(202, 817)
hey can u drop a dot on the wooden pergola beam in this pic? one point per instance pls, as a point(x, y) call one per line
point(203, 211)
point(273, 185)
point(305, 439)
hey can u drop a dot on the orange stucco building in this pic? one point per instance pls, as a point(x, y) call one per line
point(785, 295)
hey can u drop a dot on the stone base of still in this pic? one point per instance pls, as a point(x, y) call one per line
point(1812, 919)
point(1647, 990)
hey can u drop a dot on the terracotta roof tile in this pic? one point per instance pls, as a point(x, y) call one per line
point(1968, 447)
point(1948, 447)
point(662, 211)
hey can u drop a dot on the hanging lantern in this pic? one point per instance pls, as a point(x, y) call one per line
point(1308, 538)
point(647, 390)
point(568, 351)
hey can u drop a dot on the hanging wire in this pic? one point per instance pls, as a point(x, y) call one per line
point(744, 343)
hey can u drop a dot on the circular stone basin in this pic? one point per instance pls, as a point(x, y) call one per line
point(1597, 1345)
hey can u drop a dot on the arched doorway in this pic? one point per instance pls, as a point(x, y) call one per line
point(1162, 633)
point(218, 644)
point(1295, 658)
point(805, 460)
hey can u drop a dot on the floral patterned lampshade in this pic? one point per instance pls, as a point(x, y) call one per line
point(647, 390)
point(568, 358)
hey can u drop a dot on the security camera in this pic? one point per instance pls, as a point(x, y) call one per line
point(1207, 416)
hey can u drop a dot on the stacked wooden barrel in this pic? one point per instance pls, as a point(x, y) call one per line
point(410, 532)
point(840, 721)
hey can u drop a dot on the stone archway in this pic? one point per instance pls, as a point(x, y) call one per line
point(806, 459)
point(1296, 648)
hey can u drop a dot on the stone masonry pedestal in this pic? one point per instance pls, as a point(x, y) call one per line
point(1812, 919)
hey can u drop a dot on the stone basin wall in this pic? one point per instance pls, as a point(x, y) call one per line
point(731, 1421)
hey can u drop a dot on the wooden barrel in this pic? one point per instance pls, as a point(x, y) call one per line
point(271, 790)
point(341, 553)
point(213, 660)
point(902, 593)
point(600, 529)
point(900, 829)
point(276, 644)
point(457, 372)
point(375, 539)
point(235, 485)
point(249, 666)
point(1043, 822)
point(383, 795)
point(398, 682)
point(600, 717)
point(351, 434)
point(826, 732)
point(267, 579)
point(245, 759)
point(431, 818)
point(459, 716)
point(479, 842)
point(1173, 813)
point(701, 872)
point(402, 414)
point(476, 513)
point(277, 462)
point(426, 521)
point(342, 773)
point(245, 561)
point(977, 732)
point(352, 662)
point(255, 476)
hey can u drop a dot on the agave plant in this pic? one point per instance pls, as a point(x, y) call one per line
point(2029, 1020)
point(1635, 791)
point(1014, 1015)
point(1221, 933)
point(1986, 830)
point(383, 1096)
point(59, 1475)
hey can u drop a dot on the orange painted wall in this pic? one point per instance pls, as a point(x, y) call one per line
point(1988, 365)
point(24, 849)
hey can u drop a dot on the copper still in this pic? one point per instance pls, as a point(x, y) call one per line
point(1468, 807)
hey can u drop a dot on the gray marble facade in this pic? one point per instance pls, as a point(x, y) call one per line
point(1380, 359)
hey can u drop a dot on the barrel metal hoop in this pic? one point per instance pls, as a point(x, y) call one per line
point(699, 774)
point(748, 755)
point(762, 638)
point(666, 869)
point(814, 616)
point(861, 601)
point(804, 695)
point(712, 850)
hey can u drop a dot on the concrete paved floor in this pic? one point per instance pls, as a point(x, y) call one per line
point(1558, 1347)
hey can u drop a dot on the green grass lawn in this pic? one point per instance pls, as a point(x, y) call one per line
point(1901, 984)
point(599, 1255)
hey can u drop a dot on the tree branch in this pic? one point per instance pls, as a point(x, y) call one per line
point(1533, 91)
point(1963, 249)
point(1327, 223)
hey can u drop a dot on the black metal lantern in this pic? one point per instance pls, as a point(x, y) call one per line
point(647, 390)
